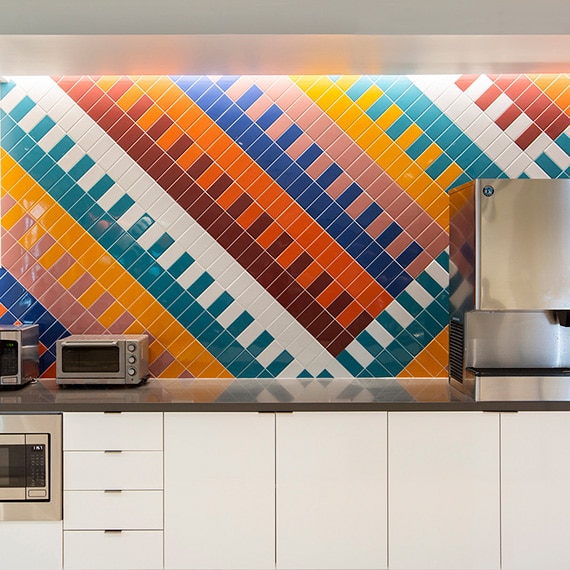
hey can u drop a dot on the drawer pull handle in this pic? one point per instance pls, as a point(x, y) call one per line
point(113, 491)
point(113, 451)
point(113, 531)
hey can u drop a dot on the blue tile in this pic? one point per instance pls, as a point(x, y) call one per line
point(220, 304)
point(369, 215)
point(160, 245)
point(101, 186)
point(22, 108)
point(81, 167)
point(329, 175)
point(239, 127)
point(181, 265)
point(250, 97)
point(309, 156)
point(42, 128)
point(289, 136)
point(207, 97)
point(409, 254)
point(359, 87)
point(226, 81)
point(399, 283)
point(308, 196)
point(232, 114)
point(329, 216)
point(349, 195)
point(299, 184)
point(219, 107)
point(269, 117)
point(282, 166)
point(269, 156)
point(121, 206)
point(377, 109)
point(318, 205)
point(389, 234)
point(61, 148)
point(257, 146)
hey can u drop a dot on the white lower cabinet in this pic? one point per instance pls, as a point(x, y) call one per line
point(113, 491)
point(443, 481)
point(535, 490)
point(30, 545)
point(219, 490)
point(331, 490)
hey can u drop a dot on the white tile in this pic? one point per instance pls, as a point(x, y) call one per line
point(269, 354)
point(51, 138)
point(468, 116)
point(253, 299)
point(191, 274)
point(227, 272)
point(171, 254)
point(89, 138)
point(230, 315)
point(459, 106)
point(91, 177)
point(71, 115)
point(144, 183)
point(379, 334)
point(538, 146)
point(292, 370)
point(150, 236)
point(478, 126)
point(112, 155)
point(171, 216)
point(498, 106)
point(38, 86)
point(110, 198)
point(489, 135)
point(419, 294)
point(12, 98)
point(518, 126)
point(71, 158)
point(510, 154)
point(131, 216)
point(32, 118)
point(534, 171)
point(437, 272)
point(271, 317)
point(100, 148)
point(359, 353)
point(400, 315)
point(247, 336)
point(518, 166)
point(80, 128)
point(210, 294)
point(498, 146)
point(119, 166)
point(130, 177)
point(50, 98)
point(478, 87)
point(560, 158)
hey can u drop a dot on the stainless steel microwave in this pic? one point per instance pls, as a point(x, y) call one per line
point(102, 359)
point(19, 354)
point(30, 467)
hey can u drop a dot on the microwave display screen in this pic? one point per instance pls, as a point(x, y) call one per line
point(93, 358)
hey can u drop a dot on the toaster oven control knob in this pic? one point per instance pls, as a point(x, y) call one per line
point(131, 347)
point(131, 359)
point(131, 371)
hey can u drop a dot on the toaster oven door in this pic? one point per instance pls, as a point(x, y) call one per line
point(81, 360)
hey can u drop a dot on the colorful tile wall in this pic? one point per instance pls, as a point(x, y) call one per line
point(263, 226)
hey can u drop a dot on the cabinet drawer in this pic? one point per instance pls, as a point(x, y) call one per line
point(112, 510)
point(125, 431)
point(97, 470)
point(99, 550)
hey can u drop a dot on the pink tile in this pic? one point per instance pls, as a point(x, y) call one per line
point(81, 324)
point(22, 226)
point(160, 363)
point(329, 136)
point(358, 166)
point(358, 206)
point(288, 98)
point(319, 166)
point(280, 85)
point(61, 265)
point(438, 244)
point(239, 87)
point(279, 127)
point(430, 233)
point(95, 328)
point(399, 245)
point(318, 128)
point(419, 264)
point(379, 225)
point(7, 202)
point(264, 82)
point(81, 285)
point(259, 107)
point(122, 323)
point(311, 114)
point(384, 189)
point(351, 153)
point(396, 206)
point(299, 146)
point(339, 146)
point(339, 185)
point(369, 176)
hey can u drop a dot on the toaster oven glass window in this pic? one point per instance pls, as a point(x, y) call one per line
point(95, 358)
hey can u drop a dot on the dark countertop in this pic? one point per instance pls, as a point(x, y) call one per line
point(262, 395)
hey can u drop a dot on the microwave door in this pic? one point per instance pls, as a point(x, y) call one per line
point(12, 467)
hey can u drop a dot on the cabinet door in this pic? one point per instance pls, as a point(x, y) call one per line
point(443, 481)
point(331, 490)
point(535, 471)
point(219, 490)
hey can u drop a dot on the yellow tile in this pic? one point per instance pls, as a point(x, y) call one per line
point(215, 370)
point(419, 184)
point(91, 294)
point(90, 254)
point(409, 175)
point(169, 96)
point(391, 154)
point(430, 154)
point(381, 144)
point(397, 167)
point(150, 314)
point(449, 175)
point(411, 134)
point(145, 82)
point(369, 136)
point(438, 206)
point(358, 127)
point(120, 283)
point(369, 97)
point(12, 216)
point(319, 87)
point(130, 97)
point(150, 117)
point(345, 82)
point(329, 97)
point(71, 275)
point(173, 370)
point(339, 107)
point(111, 314)
point(389, 117)
point(51, 256)
point(31, 237)
point(305, 82)
point(347, 118)
point(101, 264)
point(107, 81)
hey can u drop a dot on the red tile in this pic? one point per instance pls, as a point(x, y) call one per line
point(465, 81)
point(120, 127)
point(527, 97)
point(120, 88)
point(142, 145)
point(488, 97)
point(555, 129)
point(91, 97)
point(150, 156)
point(78, 89)
point(132, 135)
point(504, 81)
point(138, 109)
point(517, 87)
point(100, 107)
point(538, 106)
point(528, 137)
point(110, 117)
point(260, 225)
point(550, 114)
point(159, 127)
point(508, 117)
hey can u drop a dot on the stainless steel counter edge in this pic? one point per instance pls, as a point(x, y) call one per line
point(259, 395)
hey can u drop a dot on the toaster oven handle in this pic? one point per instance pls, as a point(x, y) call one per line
point(99, 343)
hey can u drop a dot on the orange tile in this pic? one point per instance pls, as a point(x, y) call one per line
point(339, 107)
point(187, 119)
point(230, 195)
point(169, 137)
point(289, 255)
point(261, 185)
point(249, 175)
point(145, 82)
point(130, 97)
point(322, 249)
point(215, 370)
point(160, 86)
point(75, 240)
point(369, 97)
point(277, 206)
point(89, 255)
point(136, 301)
point(449, 175)
point(374, 298)
point(289, 216)
point(12, 216)
point(100, 264)
point(563, 100)
point(150, 117)
point(329, 294)
point(207, 138)
point(219, 147)
point(199, 126)
point(419, 185)
point(238, 166)
point(31, 237)
point(229, 155)
point(169, 97)
point(249, 216)
point(162, 320)
point(173, 370)
point(149, 315)
point(409, 174)
point(369, 137)
point(389, 116)
point(358, 127)
point(270, 234)
point(91, 294)
point(209, 176)
point(349, 116)
point(351, 312)
point(189, 157)
point(309, 274)
point(330, 96)
point(308, 232)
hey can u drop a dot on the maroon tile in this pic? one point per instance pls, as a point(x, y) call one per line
point(180, 146)
point(120, 88)
point(170, 176)
point(555, 129)
point(97, 110)
point(180, 186)
point(140, 147)
point(526, 98)
point(507, 118)
point(188, 198)
point(159, 127)
point(538, 106)
point(528, 136)
point(340, 303)
point(240, 206)
point(279, 284)
point(280, 245)
point(323, 328)
point(320, 284)
point(110, 118)
point(199, 166)
point(263, 221)
point(339, 343)
point(211, 215)
point(289, 294)
point(150, 156)
point(131, 136)
point(226, 232)
point(298, 306)
point(360, 323)
point(551, 113)
point(220, 185)
point(490, 95)
point(159, 166)
point(120, 127)
point(138, 109)
point(300, 264)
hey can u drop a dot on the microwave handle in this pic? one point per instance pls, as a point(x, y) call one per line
point(83, 342)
